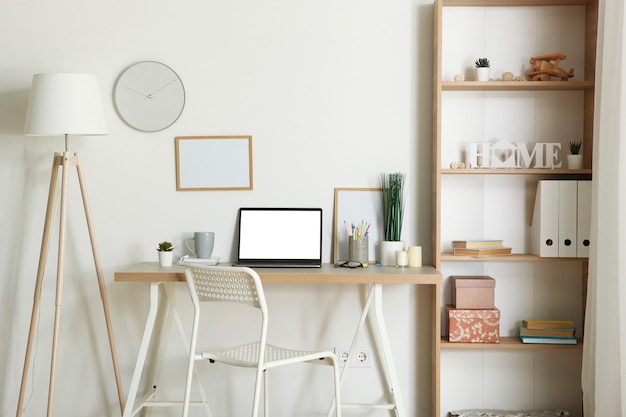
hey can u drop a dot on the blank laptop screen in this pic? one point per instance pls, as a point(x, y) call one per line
point(279, 235)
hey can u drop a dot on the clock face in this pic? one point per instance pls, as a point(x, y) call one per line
point(149, 96)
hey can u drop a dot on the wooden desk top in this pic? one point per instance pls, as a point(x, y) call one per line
point(327, 274)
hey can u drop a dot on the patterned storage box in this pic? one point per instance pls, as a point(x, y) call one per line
point(473, 326)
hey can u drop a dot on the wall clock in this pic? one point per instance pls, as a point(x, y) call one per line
point(149, 96)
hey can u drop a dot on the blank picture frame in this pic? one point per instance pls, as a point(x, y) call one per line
point(354, 205)
point(213, 163)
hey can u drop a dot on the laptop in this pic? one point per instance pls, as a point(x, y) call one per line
point(280, 237)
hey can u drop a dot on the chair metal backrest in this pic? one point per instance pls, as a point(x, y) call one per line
point(227, 284)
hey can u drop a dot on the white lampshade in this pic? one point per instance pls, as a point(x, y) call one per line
point(65, 104)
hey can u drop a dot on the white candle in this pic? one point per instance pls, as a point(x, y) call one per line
point(415, 256)
point(402, 258)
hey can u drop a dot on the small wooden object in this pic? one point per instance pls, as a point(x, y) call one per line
point(544, 69)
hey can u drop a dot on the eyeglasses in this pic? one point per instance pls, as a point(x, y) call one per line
point(349, 264)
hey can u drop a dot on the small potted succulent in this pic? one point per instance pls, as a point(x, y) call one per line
point(483, 69)
point(574, 160)
point(166, 254)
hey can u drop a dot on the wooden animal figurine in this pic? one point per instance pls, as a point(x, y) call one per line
point(543, 69)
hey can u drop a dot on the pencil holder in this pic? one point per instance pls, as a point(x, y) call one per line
point(358, 249)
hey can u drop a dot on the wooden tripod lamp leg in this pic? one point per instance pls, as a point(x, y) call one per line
point(103, 291)
point(63, 161)
point(58, 303)
point(43, 255)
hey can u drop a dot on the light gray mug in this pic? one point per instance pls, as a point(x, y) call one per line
point(202, 244)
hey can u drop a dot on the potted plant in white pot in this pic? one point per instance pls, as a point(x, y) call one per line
point(483, 69)
point(166, 254)
point(392, 186)
point(575, 160)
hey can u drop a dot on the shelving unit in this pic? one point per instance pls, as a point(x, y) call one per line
point(497, 203)
point(508, 343)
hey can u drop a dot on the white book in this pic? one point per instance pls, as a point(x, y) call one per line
point(186, 260)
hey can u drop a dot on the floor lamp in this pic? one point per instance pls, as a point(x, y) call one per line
point(63, 105)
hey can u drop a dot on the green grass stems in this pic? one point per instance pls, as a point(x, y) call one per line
point(393, 204)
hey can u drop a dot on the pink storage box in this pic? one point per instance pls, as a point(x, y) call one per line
point(473, 325)
point(473, 292)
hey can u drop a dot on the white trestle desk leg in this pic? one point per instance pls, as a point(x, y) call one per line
point(160, 337)
point(388, 364)
point(173, 308)
point(374, 299)
point(344, 371)
point(143, 350)
point(162, 310)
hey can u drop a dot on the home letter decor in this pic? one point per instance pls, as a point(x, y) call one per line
point(504, 154)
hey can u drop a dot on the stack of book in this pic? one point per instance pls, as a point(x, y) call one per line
point(480, 247)
point(551, 332)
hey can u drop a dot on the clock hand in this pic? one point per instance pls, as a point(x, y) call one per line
point(150, 96)
point(138, 92)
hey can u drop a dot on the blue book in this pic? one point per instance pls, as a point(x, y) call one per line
point(549, 340)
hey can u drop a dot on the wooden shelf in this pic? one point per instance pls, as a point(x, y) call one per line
point(521, 3)
point(516, 171)
point(517, 85)
point(506, 343)
point(516, 257)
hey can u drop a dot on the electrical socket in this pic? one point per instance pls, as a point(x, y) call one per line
point(361, 357)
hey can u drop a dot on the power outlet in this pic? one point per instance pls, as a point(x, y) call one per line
point(361, 357)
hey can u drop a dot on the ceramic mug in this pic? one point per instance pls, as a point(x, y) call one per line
point(202, 244)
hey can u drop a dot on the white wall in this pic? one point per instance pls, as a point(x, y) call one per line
point(333, 93)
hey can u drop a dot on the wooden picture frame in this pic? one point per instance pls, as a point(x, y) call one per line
point(213, 163)
point(356, 205)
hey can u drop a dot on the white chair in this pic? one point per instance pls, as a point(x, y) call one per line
point(243, 285)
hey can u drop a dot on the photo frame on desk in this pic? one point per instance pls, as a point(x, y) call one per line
point(356, 205)
point(205, 163)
